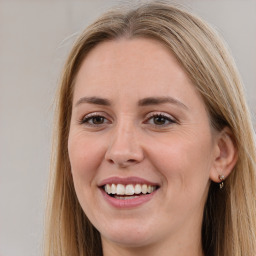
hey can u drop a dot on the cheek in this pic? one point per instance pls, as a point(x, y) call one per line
point(85, 157)
point(185, 162)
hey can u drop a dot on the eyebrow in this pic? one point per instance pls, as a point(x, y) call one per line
point(93, 100)
point(143, 102)
point(161, 100)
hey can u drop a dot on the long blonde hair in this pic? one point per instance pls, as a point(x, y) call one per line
point(229, 225)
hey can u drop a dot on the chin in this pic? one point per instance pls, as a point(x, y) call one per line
point(128, 236)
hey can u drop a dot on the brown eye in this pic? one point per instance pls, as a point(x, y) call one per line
point(94, 120)
point(97, 120)
point(160, 120)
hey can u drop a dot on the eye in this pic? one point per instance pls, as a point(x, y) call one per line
point(94, 119)
point(160, 120)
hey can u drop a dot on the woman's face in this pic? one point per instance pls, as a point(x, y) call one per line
point(140, 131)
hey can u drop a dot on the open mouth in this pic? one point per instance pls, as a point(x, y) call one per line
point(129, 191)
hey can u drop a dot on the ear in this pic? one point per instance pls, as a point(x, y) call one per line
point(226, 155)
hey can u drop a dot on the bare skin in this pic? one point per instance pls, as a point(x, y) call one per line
point(136, 114)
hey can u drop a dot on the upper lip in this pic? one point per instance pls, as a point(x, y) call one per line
point(126, 181)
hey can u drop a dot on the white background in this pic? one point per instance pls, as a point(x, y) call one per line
point(35, 37)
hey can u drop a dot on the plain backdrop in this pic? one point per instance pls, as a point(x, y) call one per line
point(35, 37)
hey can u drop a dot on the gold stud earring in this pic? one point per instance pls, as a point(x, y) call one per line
point(222, 178)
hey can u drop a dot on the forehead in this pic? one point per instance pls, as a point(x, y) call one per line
point(132, 68)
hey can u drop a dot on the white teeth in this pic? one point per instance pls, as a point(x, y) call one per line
point(120, 189)
point(150, 189)
point(108, 188)
point(129, 190)
point(137, 189)
point(144, 189)
point(113, 188)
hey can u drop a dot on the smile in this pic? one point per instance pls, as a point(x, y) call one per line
point(127, 192)
point(124, 192)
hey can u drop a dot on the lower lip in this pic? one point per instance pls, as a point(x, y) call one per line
point(128, 203)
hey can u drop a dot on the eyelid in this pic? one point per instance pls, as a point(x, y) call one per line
point(169, 118)
point(157, 113)
point(91, 115)
point(86, 118)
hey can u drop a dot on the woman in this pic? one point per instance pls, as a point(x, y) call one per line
point(155, 148)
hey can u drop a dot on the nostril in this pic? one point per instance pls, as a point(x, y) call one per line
point(131, 160)
point(124, 157)
point(124, 163)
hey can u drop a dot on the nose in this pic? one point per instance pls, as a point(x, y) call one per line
point(124, 148)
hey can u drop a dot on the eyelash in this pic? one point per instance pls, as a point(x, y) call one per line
point(161, 115)
point(85, 120)
point(88, 118)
